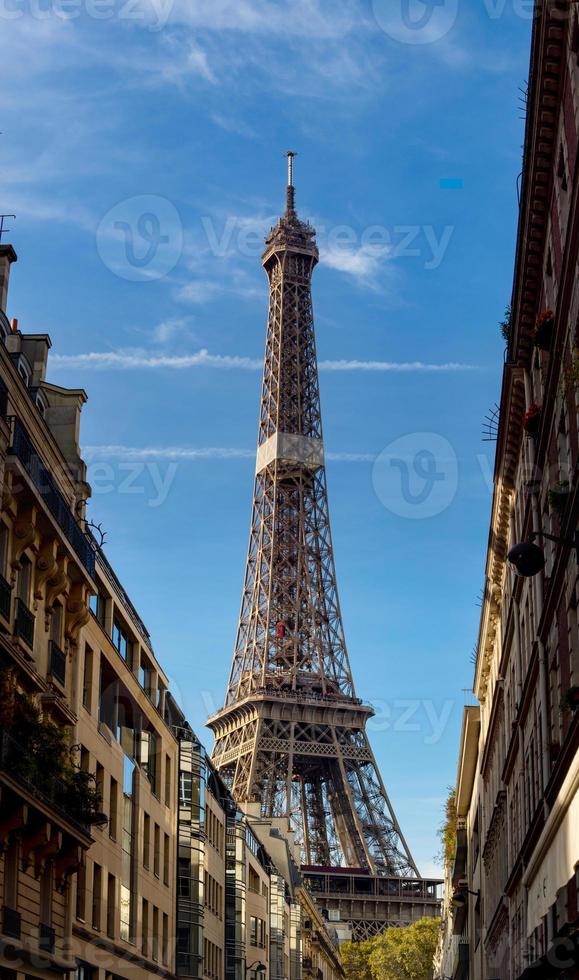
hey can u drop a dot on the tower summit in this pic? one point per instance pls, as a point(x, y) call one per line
point(291, 736)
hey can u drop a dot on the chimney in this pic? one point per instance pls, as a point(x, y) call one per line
point(7, 257)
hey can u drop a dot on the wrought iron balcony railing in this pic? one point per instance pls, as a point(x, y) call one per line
point(21, 765)
point(57, 663)
point(24, 623)
point(23, 448)
point(5, 598)
point(11, 922)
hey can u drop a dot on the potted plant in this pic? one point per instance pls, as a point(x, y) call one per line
point(559, 495)
point(570, 700)
point(544, 330)
point(532, 419)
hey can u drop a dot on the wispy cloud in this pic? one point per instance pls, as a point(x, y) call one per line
point(194, 454)
point(135, 360)
point(397, 367)
point(131, 360)
point(365, 263)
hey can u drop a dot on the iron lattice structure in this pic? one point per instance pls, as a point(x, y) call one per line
point(291, 735)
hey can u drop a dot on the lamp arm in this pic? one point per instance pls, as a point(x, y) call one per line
point(574, 543)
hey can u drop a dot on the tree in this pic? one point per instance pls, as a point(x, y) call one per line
point(447, 830)
point(356, 959)
point(405, 954)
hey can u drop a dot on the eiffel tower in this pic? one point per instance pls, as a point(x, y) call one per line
point(290, 739)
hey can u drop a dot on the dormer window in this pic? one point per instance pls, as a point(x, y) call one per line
point(23, 368)
point(4, 326)
point(41, 403)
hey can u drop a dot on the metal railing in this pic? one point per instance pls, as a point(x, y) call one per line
point(24, 623)
point(23, 448)
point(11, 922)
point(57, 663)
point(20, 763)
point(46, 938)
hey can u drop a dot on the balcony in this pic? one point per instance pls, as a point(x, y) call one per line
point(23, 448)
point(5, 599)
point(11, 922)
point(57, 663)
point(46, 938)
point(24, 623)
point(71, 794)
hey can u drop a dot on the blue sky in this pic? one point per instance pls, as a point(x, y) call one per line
point(142, 154)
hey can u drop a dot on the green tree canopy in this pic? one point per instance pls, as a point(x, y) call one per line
point(356, 959)
point(397, 954)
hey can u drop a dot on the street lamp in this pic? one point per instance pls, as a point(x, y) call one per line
point(528, 559)
point(258, 966)
point(460, 897)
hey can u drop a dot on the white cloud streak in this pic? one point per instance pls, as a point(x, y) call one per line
point(195, 454)
point(140, 360)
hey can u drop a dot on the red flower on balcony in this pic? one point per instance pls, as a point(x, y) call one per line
point(544, 328)
point(532, 419)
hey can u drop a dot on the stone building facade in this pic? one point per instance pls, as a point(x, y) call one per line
point(514, 883)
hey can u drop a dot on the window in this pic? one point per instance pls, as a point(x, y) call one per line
point(24, 370)
point(96, 896)
point(157, 848)
point(113, 809)
point(56, 624)
point(145, 928)
point(257, 932)
point(166, 852)
point(11, 876)
point(165, 948)
point(148, 757)
point(100, 782)
point(155, 932)
point(81, 892)
point(87, 678)
point(24, 580)
point(97, 608)
point(146, 839)
point(253, 883)
point(125, 912)
point(41, 404)
point(121, 641)
point(111, 907)
point(146, 676)
point(167, 780)
point(4, 540)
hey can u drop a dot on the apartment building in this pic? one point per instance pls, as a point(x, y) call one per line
point(513, 909)
point(124, 901)
point(87, 762)
point(242, 910)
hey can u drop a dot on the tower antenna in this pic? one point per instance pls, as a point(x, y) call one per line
point(3, 230)
point(291, 193)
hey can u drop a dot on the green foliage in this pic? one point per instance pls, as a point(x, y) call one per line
point(406, 954)
point(505, 325)
point(397, 954)
point(356, 959)
point(38, 752)
point(447, 830)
